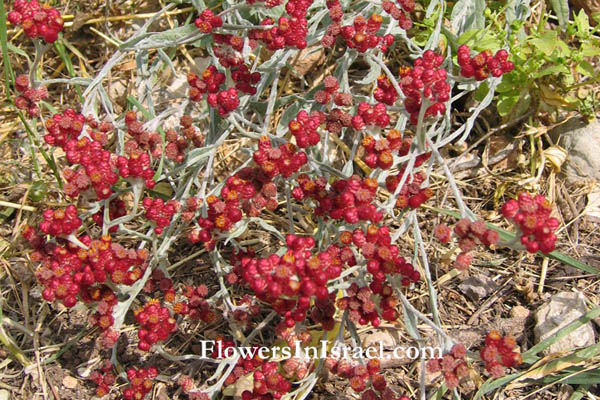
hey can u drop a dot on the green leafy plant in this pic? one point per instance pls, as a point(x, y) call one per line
point(549, 66)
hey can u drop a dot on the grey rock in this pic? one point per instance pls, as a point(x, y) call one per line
point(562, 309)
point(582, 142)
point(478, 287)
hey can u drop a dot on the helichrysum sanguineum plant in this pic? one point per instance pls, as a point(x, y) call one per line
point(349, 270)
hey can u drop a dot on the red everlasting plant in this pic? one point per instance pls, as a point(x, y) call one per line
point(37, 20)
point(532, 216)
point(452, 365)
point(29, 96)
point(483, 64)
point(499, 352)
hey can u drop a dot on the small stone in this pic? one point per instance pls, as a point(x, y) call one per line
point(384, 337)
point(582, 142)
point(519, 312)
point(69, 382)
point(562, 309)
point(478, 287)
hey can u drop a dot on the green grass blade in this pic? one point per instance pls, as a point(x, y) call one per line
point(561, 8)
point(580, 392)
point(60, 46)
point(493, 384)
point(34, 144)
point(9, 75)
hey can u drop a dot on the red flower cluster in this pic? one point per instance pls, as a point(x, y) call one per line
point(98, 168)
point(400, 13)
point(331, 86)
point(382, 258)
point(160, 212)
point(210, 82)
point(207, 21)
point(61, 274)
point(224, 100)
point(337, 119)
point(304, 128)
point(378, 153)
point(246, 364)
point(61, 222)
point(29, 97)
point(77, 181)
point(244, 79)
point(246, 308)
point(284, 160)
point(175, 145)
point(187, 384)
point(156, 324)
point(385, 92)
point(411, 194)
point(137, 166)
point(103, 378)
point(191, 206)
point(66, 272)
point(442, 233)
point(294, 368)
point(158, 281)
point(363, 375)
point(196, 307)
point(359, 302)
point(362, 34)
point(289, 31)
point(64, 127)
point(323, 313)
point(107, 259)
point(140, 382)
point(483, 64)
point(190, 132)
point(452, 365)
point(532, 217)
point(348, 199)
point(268, 383)
point(38, 21)
point(370, 115)
point(257, 191)
point(426, 80)
point(229, 51)
point(336, 13)
point(250, 190)
point(290, 281)
point(103, 317)
point(499, 352)
point(293, 334)
point(470, 234)
point(222, 215)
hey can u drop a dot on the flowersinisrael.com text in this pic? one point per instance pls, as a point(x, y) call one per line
point(323, 350)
